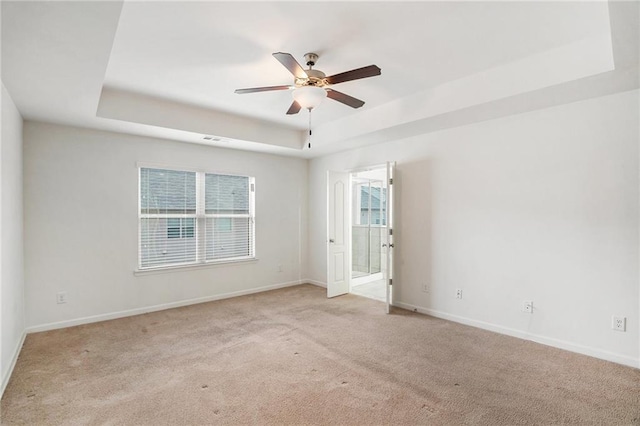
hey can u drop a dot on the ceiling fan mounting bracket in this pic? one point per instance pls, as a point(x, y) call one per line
point(311, 58)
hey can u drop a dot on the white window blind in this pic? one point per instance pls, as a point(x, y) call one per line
point(228, 219)
point(194, 217)
point(166, 197)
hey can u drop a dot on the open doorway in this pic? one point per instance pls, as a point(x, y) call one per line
point(360, 215)
point(368, 233)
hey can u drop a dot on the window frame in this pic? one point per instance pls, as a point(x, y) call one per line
point(357, 204)
point(200, 218)
point(250, 216)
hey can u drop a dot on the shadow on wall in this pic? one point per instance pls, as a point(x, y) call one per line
point(413, 232)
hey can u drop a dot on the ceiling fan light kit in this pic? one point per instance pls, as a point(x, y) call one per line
point(309, 97)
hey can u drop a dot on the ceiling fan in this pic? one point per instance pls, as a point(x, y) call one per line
point(310, 86)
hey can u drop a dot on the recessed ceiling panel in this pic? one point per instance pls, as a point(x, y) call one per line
point(198, 53)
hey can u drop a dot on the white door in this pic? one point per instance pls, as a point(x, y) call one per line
point(337, 234)
point(389, 237)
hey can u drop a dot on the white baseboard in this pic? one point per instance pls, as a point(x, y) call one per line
point(556, 343)
point(161, 307)
point(314, 282)
point(14, 359)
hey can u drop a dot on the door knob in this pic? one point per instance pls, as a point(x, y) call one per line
point(384, 245)
point(331, 241)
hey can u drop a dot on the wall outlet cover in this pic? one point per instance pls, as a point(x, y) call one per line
point(619, 323)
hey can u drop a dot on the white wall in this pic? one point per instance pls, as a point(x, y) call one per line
point(81, 224)
point(11, 231)
point(541, 206)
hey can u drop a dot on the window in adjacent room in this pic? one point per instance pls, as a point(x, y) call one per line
point(189, 217)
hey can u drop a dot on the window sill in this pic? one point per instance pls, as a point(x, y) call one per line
point(180, 268)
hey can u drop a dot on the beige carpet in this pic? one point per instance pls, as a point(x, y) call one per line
point(291, 356)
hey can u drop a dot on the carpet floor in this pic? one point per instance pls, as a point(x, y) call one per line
point(291, 356)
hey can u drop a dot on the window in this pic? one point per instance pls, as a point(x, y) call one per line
point(370, 204)
point(188, 217)
point(228, 219)
point(180, 228)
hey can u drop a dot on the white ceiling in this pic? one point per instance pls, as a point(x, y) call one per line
point(198, 53)
point(84, 63)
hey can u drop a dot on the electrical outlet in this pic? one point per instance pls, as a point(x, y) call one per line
point(61, 297)
point(425, 287)
point(619, 323)
point(458, 293)
point(527, 306)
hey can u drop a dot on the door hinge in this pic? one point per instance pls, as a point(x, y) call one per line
point(390, 231)
point(391, 181)
point(390, 281)
point(253, 187)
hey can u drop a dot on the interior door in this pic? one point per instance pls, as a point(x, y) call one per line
point(389, 237)
point(337, 234)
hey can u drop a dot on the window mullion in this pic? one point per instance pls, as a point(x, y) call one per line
point(252, 216)
point(200, 225)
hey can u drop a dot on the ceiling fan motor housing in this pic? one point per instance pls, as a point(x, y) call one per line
point(316, 78)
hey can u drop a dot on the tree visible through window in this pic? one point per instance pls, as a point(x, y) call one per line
point(181, 224)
